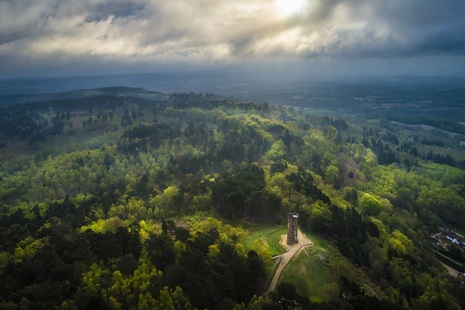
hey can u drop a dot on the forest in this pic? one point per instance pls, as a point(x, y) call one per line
point(122, 198)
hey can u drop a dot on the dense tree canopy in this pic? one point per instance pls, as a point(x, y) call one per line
point(130, 203)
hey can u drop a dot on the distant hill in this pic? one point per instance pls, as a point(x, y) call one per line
point(119, 91)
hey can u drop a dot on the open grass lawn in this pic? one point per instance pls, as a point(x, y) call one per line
point(272, 235)
point(307, 271)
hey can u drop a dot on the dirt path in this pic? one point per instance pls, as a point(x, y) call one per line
point(292, 250)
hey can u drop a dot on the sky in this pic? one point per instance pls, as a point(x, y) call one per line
point(306, 37)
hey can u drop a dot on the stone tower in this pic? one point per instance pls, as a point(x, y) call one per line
point(292, 226)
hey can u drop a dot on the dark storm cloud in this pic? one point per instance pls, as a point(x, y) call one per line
point(408, 28)
point(430, 27)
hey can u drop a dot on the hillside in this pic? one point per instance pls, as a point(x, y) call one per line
point(123, 198)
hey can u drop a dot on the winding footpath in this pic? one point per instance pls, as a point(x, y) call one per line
point(286, 257)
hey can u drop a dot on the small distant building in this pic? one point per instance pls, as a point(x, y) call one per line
point(292, 227)
point(451, 236)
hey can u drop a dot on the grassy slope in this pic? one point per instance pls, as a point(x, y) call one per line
point(308, 272)
point(272, 235)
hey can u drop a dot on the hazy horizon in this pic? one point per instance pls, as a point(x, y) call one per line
point(294, 91)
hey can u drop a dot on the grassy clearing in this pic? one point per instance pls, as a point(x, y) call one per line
point(308, 272)
point(272, 235)
point(78, 141)
point(16, 150)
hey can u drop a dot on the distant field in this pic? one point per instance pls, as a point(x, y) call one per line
point(307, 271)
point(272, 235)
point(319, 111)
point(59, 144)
point(80, 141)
